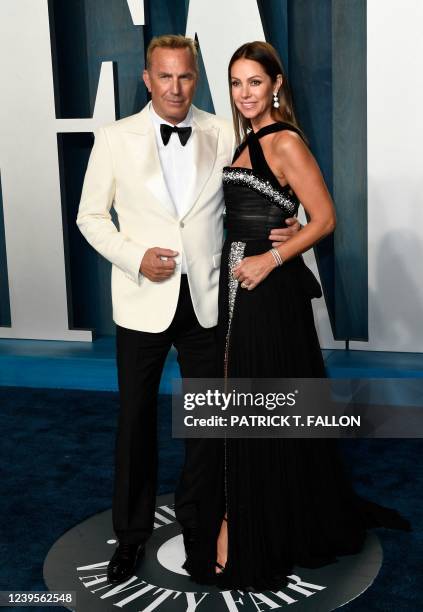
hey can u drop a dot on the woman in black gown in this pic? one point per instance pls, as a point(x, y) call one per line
point(272, 503)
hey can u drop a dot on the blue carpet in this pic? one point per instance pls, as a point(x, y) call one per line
point(56, 457)
point(92, 366)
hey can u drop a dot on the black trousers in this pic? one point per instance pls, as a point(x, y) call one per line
point(140, 360)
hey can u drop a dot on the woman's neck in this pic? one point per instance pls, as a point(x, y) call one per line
point(260, 122)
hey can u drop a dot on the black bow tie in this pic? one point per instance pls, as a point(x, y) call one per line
point(183, 132)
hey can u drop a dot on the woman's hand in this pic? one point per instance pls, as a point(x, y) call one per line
point(252, 270)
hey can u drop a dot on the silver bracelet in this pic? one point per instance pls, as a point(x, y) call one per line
point(277, 256)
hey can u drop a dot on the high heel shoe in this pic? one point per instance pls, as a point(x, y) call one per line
point(219, 565)
point(221, 576)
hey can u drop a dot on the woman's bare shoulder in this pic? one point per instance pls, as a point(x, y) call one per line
point(289, 145)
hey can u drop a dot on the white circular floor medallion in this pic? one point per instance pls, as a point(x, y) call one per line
point(171, 555)
point(78, 562)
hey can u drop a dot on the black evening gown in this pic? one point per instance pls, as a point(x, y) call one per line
point(288, 501)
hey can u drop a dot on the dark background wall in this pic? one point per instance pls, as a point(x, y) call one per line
point(322, 45)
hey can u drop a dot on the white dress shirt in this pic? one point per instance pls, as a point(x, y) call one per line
point(177, 164)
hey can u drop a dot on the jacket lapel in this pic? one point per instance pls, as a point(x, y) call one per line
point(143, 145)
point(142, 140)
point(205, 137)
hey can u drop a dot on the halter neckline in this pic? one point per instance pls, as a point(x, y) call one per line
point(277, 126)
point(259, 164)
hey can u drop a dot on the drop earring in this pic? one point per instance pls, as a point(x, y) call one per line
point(275, 100)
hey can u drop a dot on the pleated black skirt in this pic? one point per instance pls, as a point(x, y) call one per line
point(288, 501)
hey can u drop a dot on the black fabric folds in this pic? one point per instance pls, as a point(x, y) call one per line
point(288, 501)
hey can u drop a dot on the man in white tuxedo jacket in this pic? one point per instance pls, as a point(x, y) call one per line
point(165, 185)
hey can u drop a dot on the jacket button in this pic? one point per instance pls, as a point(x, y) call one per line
point(182, 224)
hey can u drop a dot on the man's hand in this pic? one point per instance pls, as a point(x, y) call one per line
point(282, 234)
point(158, 264)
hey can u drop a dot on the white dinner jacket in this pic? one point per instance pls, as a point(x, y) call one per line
point(124, 171)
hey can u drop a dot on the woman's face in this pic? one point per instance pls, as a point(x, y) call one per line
point(252, 90)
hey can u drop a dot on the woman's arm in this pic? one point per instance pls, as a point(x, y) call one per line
point(304, 177)
point(292, 158)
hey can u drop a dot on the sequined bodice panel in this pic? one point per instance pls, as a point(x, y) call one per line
point(253, 205)
point(255, 201)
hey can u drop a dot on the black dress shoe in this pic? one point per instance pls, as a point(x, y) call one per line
point(122, 565)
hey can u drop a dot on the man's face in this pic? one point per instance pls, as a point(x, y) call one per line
point(171, 80)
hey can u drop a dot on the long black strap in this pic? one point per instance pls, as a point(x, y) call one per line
point(257, 158)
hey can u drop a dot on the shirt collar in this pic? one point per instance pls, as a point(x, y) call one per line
point(157, 120)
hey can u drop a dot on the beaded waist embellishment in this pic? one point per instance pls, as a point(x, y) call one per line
point(244, 177)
